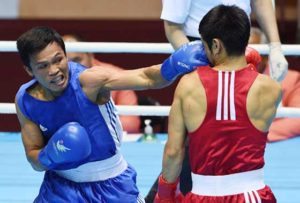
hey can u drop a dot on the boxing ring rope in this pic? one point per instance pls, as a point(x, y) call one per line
point(148, 48)
point(9, 108)
point(134, 47)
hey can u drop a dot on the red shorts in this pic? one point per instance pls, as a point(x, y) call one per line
point(265, 196)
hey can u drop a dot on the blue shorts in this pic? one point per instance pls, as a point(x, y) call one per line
point(121, 189)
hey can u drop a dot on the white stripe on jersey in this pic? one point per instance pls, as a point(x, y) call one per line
point(252, 198)
point(225, 101)
point(257, 196)
point(219, 103)
point(246, 197)
point(140, 199)
point(228, 92)
point(110, 108)
point(109, 113)
point(231, 98)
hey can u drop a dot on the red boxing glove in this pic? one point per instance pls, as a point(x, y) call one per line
point(168, 192)
point(253, 56)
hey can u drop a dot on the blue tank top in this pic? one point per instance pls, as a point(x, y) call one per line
point(101, 121)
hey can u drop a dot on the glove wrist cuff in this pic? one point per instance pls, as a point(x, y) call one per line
point(45, 160)
point(165, 182)
point(167, 71)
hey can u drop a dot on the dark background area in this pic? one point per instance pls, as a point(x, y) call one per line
point(13, 75)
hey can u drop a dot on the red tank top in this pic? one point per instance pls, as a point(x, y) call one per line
point(226, 142)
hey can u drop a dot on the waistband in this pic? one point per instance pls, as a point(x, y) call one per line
point(228, 184)
point(97, 170)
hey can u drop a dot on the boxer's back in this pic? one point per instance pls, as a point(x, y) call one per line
point(227, 114)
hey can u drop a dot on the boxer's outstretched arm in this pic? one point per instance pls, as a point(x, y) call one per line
point(137, 79)
point(182, 61)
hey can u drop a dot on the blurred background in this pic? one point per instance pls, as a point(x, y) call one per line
point(106, 21)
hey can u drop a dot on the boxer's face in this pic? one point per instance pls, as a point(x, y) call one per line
point(50, 68)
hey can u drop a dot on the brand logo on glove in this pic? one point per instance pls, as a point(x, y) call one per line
point(60, 146)
point(183, 65)
point(43, 128)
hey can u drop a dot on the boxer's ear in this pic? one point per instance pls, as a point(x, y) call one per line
point(28, 70)
point(216, 46)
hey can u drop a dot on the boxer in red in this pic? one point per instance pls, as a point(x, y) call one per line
point(227, 110)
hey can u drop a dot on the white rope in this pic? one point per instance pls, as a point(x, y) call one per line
point(7, 108)
point(103, 47)
point(144, 110)
point(290, 112)
point(148, 48)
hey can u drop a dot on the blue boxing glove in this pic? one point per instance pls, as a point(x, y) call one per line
point(184, 60)
point(67, 148)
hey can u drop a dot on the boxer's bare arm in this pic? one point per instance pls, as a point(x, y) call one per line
point(175, 146)
point(262, 101)
point(32, 140)
point(137, 79)
point(182, 61)
point(95, 80)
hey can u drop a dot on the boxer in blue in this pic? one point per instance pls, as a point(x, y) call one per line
point(69, 124)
